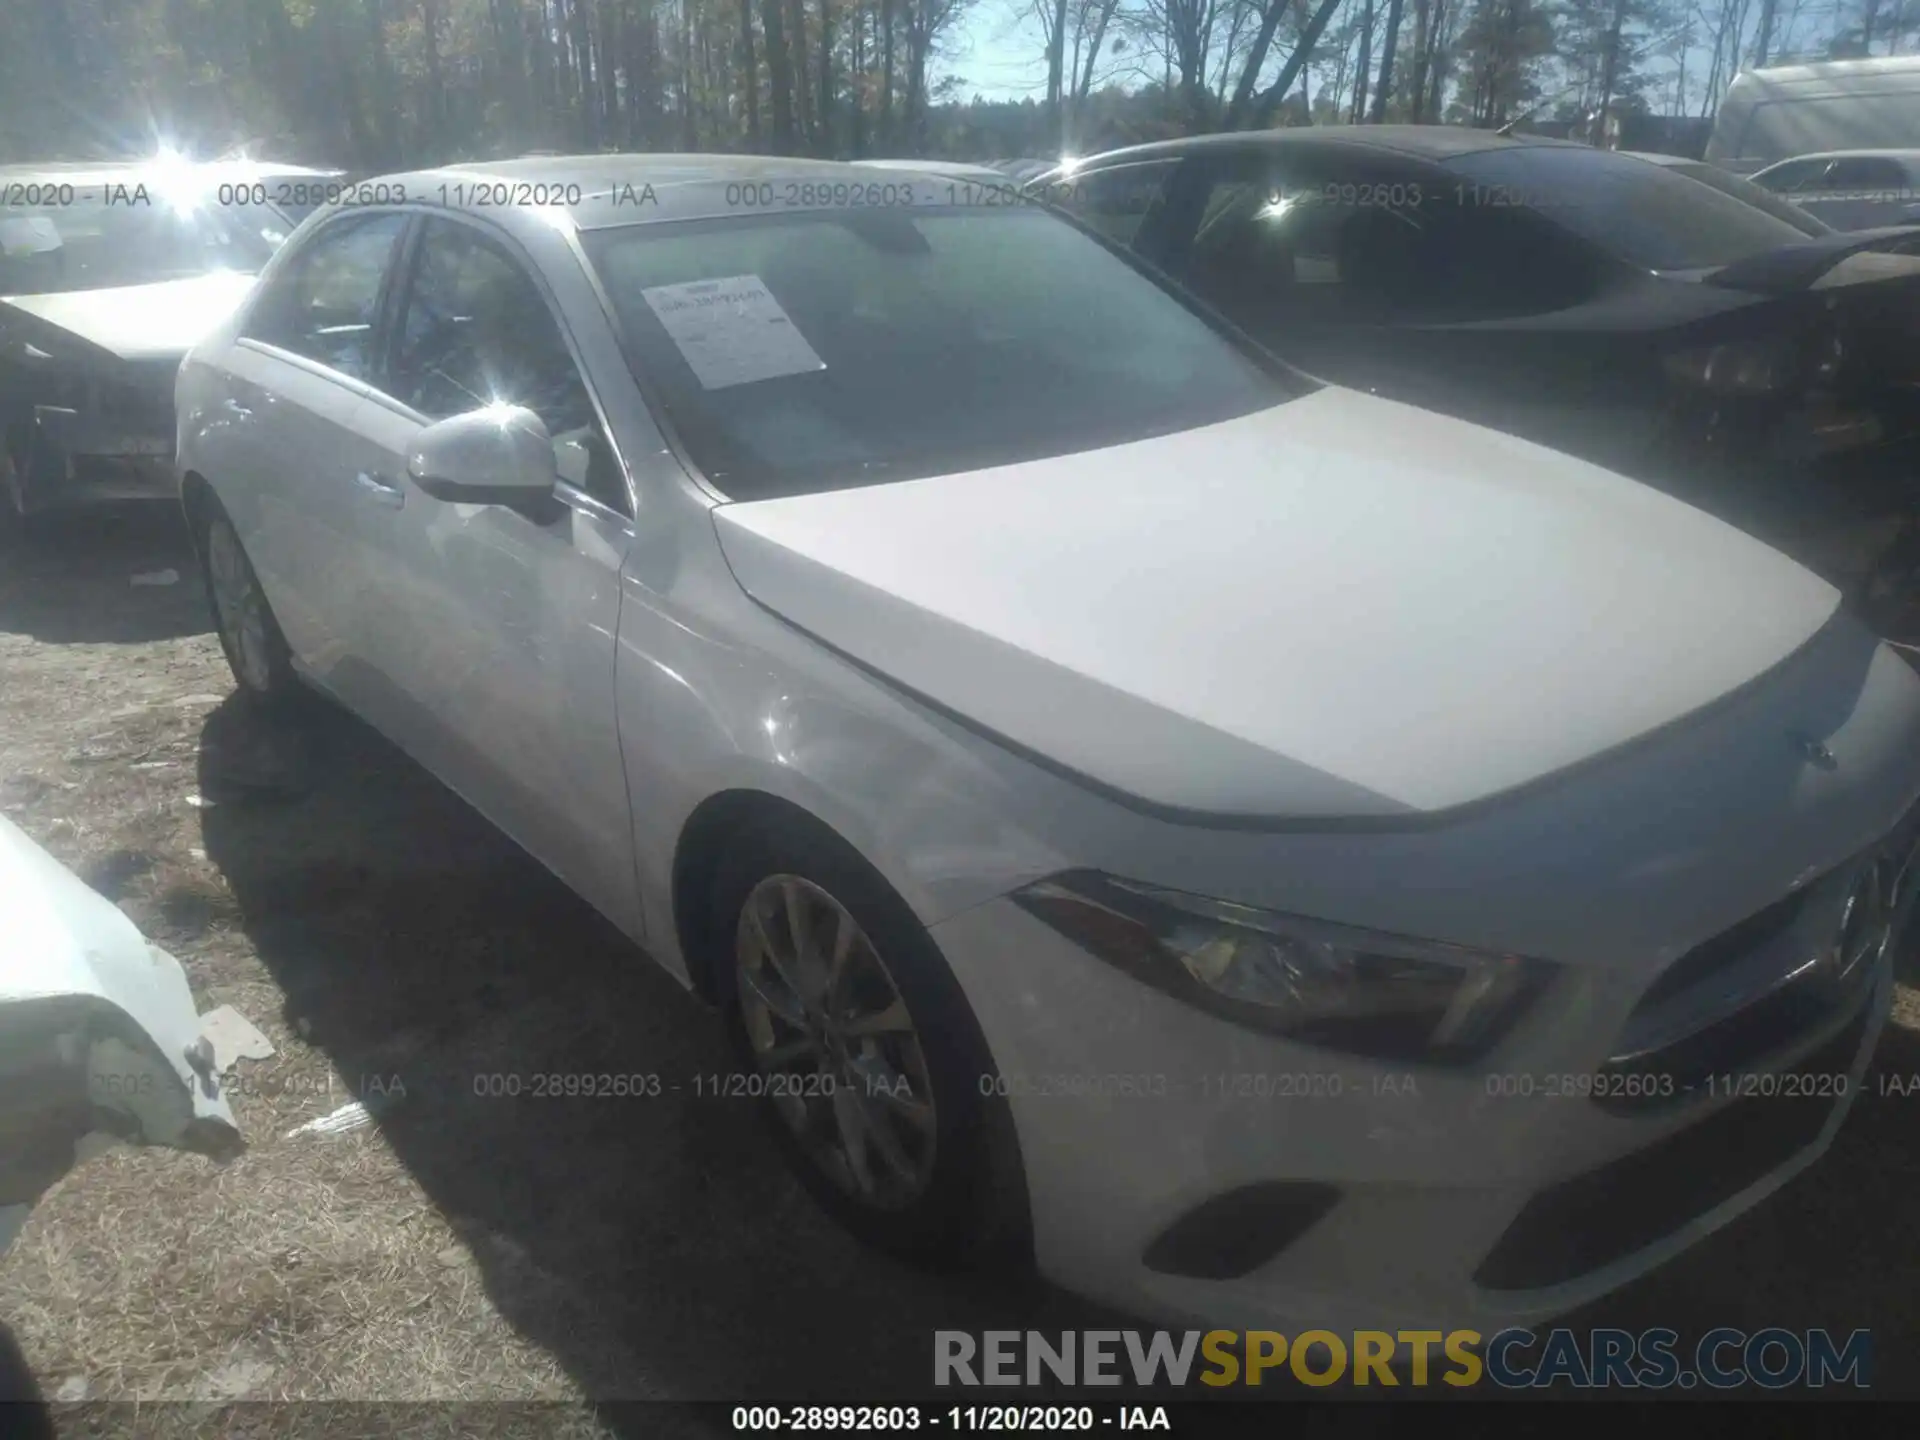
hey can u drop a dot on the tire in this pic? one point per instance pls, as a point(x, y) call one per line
point(15, 522)
point(944, 1211)
point(256, 649)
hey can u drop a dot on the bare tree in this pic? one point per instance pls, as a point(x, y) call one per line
point(1384, 89)
point(1247, 108)
point(779, 74)
point(1361, 67)
point(749, 74)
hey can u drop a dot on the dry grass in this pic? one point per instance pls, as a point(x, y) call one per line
point(470, 1248)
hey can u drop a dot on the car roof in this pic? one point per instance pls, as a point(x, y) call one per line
point(1425, 142)
point(1906, 155)
point(1819, 70)
point(600, 192)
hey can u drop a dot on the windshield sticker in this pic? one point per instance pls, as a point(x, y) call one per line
point(732, 331)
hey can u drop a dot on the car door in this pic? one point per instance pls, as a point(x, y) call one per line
point(293, 383)
point(496, 650)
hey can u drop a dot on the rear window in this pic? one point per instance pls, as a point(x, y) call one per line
point(828, 349)
point(1638, 212)
point(1750, 193)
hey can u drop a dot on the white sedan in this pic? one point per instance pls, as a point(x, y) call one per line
point(1288, 857)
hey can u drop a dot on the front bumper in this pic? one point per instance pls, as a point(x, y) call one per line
point(1395, 1198)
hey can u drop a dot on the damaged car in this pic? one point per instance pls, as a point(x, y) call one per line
point(1583, 299)
point(108, 274)
point(100, 1042)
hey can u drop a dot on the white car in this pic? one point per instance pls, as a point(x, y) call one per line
point(1315, 860)
point(1850, 189)
point(99, 1039)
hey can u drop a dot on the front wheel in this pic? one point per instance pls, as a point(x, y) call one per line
point(14, 457)
point(858, 1040)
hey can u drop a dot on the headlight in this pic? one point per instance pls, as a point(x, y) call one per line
point(1746, 367)
point(1351, 990)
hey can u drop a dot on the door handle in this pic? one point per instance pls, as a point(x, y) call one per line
point(383, 491)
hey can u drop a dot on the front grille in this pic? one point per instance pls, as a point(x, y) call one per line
point(1729, 947)
point(1609, 1213)
point(1763, 1017)
point(1675, 1074)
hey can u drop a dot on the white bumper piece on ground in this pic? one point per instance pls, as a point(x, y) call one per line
point(99, 1038)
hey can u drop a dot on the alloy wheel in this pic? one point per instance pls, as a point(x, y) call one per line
point(239, 606)
point(836, 1048)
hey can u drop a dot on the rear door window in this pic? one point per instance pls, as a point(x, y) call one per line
point(1878, 174)
point(1793, 177)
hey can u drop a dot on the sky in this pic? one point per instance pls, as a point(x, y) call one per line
point(1000, 52)
point(1000, 49)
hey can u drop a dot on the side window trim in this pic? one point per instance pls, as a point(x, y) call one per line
point(408, 268)
point(393, 293)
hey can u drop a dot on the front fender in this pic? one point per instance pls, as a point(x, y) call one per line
point(746, 704)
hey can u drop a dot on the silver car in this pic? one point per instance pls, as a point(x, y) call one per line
point(1286, 856)
point(1850, 189)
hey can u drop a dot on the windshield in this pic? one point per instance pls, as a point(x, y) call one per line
point(1640, 213)
point(828, 349)
point(91, 244)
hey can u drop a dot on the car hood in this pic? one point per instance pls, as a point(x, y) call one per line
point(1337, 607)
point(96, 1028)
point(132, 322)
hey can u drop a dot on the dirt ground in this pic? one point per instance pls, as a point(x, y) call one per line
point(465, 1247)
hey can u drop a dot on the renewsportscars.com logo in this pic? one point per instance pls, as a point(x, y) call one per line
point(1511, 1359)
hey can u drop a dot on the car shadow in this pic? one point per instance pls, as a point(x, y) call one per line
point(649, 1238)
point(21, 1401)
point(651, 1241)
point(100, 576)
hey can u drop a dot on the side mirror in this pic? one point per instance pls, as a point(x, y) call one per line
point(501, 455)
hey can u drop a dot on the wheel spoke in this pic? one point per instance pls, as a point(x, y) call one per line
point(883, 1139)
point(852, 1123)
point(771, 954)
point(916, 1112)
point(778, 998)
point(891, 1021)
point(784, 1053)
point(799, 932)
point(843, 933)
